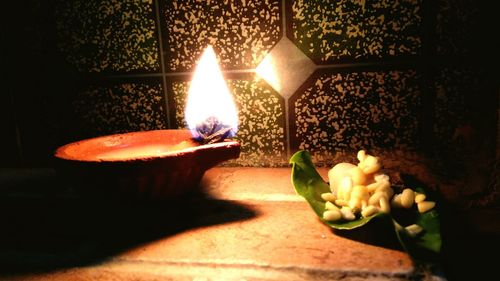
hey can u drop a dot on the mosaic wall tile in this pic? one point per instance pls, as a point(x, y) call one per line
point(464, 128)
point(241, 32)
point(109, 35)
point(261, 131)
point(356, 110)
point(120, 108)
point(451, 109)
point(9, 139)
point(456, 22)
point(346, 30)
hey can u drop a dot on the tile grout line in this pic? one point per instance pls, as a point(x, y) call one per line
point(428, 95)
point(287, 110)
point(162, 62)
point(248, 70)
point(138, 75)
point(252, 70)
point(367, 64)
point(174, 74)
point(283, 18)
point(287, 125)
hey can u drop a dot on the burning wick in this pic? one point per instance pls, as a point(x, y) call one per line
point(210, 113)
point(212, 131)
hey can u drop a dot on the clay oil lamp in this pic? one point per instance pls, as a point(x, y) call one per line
point(160, 164)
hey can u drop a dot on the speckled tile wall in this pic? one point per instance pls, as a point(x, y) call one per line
point(357, 110)
point(346, 30)
point(327, 76)
point(241, 32)
point(121, 107)
point(108, 36)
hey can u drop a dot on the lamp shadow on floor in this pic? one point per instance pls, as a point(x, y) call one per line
point(53, 232)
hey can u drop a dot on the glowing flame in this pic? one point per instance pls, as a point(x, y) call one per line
point(209, 98)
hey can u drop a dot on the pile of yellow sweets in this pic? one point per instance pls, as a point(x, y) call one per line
point(362, 190)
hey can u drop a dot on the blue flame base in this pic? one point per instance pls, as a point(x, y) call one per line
point(212, 131)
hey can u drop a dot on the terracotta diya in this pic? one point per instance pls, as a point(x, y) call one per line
point(163, 163)
point(152, 164)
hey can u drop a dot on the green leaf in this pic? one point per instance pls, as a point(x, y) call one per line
point(310, 185)
point(424, 248)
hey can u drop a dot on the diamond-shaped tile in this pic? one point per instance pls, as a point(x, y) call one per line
point(285, 68)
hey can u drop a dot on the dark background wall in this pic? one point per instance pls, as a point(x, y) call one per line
point(415, 76)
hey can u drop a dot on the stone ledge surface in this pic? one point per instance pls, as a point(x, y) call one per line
point(281, 235)
point(281, 240)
